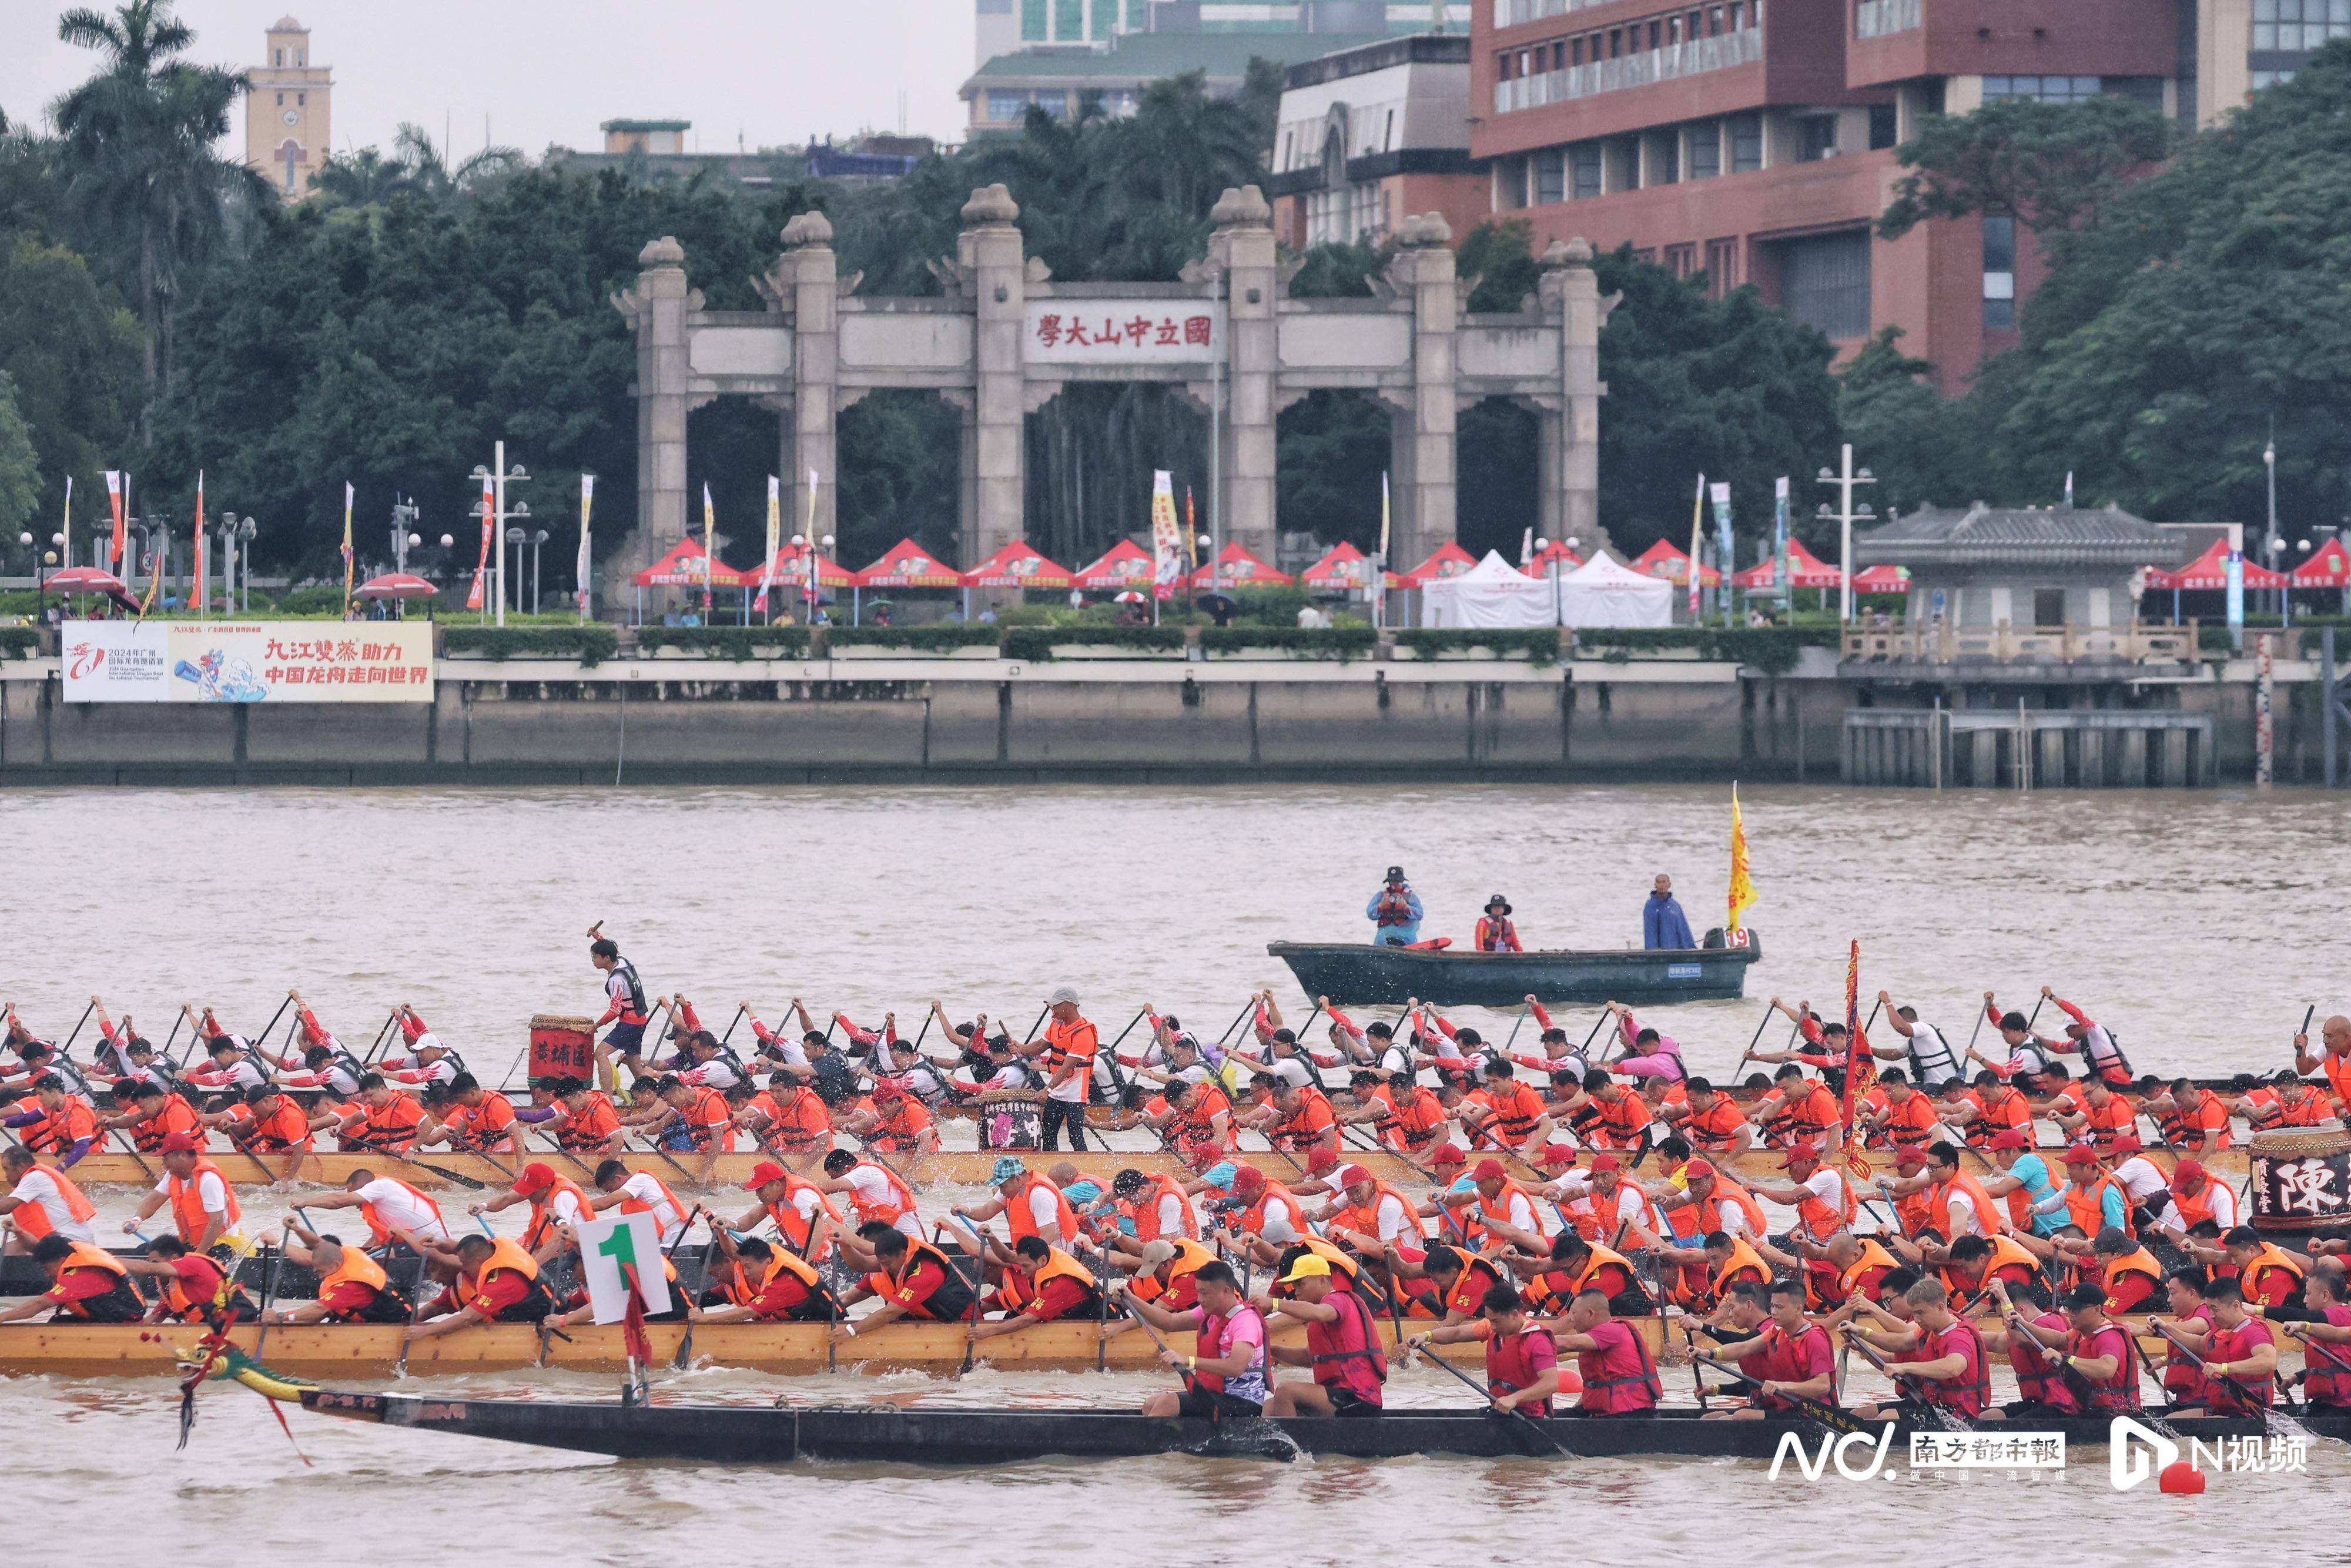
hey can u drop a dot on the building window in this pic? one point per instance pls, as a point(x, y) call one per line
point(1824, 282)
point(1705, 150)
point(1882, 125)
point(1624, 156)
point(1033, 25)
point(1105, 19)
point(1003, 107)
point(281, 57)
point(1615, 42)
point(2048, 607)
point(2264, 81)
point(1816, 138)
point(2297, 26)
point(281, 100)
point(2042, 89)
point(1667, 161)
point(1575, 51)
point(1069, 20)
point(1550, 176)
point(1746, 143)
point(1583, 163)
point(1714, 21)
point(1387, 138)
point(1681, 260)
point(1559, 54)
point(2000, 275)
point(301, 100)
point(1656, 34)
point(1722, 266)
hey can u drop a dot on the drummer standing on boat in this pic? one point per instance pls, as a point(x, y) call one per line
point(1395, 912)
point(624, 994)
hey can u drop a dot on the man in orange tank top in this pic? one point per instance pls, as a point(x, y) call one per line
point(2334, 1057)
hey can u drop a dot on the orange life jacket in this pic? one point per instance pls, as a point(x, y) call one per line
point(1189, 1260)
point(1021, 1220)
point(2087, 1207)
point(380, 1232)
point(630, 1204)
point(887, 1212)
point(1990, 1216)
point(504, 1256)
point(542, 1210)
point(85, 1256)
point(187, 1203)
point(33, 1219)
point(1157, 1191)
point(1364, 1218)
point(796, 1231)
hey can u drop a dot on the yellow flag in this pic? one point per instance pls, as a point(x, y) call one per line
point(1742, 886)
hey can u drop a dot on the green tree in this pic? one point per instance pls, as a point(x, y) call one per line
point(2053, 167)
point(20, 473)
point(1905, 432)
point(138, 150)
point(1497, 265)
point(74, 358)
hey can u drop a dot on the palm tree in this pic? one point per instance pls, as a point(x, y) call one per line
point(137, 144)
point(431, 177)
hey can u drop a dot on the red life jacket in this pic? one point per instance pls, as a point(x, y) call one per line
point(2327, 1376)
point(1967, 1394)
point(2036, 1374)
point(1622, 1380)
point(1347, 1352)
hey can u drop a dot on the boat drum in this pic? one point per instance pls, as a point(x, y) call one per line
point(562, 1046)
point(2301, 1180)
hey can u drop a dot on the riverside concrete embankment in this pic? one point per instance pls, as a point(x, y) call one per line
point(672, 719)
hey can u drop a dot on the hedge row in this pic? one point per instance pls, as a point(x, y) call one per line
point(590, 644)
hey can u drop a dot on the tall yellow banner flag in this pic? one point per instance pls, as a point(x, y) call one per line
point(1742, 886)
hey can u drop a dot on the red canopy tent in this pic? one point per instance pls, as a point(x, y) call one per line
point(1017, 565)
point(2330, 567)
point(1883, 579)
point(906, 565)
point(2210, 570)
point(1805, 569)
point(1553, 551)
point(1448, 559)
point(1236, 567)
point(1343, 568)
point(1663, 560)
point(1125, 565)
point(687, 566)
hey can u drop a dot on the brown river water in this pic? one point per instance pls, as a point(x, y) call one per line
point(2198, 925)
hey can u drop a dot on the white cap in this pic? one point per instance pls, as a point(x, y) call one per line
point(1062, 994)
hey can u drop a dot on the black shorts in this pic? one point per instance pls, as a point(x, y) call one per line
point(1347, 1402)
point(626, 1038)
point(1202, 1404)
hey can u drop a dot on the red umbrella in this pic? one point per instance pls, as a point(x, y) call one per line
point(396, 585)
point(82, 580)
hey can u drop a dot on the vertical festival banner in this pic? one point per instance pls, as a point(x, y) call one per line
point(196, 562)
point(775, 540)
point(489, 524)
point(709, 555)
point(1379, 572)
point(1725, 548)
point(2236, 591)
point(348, 558)
point(809, 587)
point(1167, 537)
point(582, 569)
point(1698, 543)
point(115, 479)
point(1742, 885)
point(1780, 540)
point(1852, 1037)
point(68, 529)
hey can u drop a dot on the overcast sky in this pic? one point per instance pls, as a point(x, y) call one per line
point(547, 72)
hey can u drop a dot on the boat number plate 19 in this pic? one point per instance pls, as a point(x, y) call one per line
point(1681, 971)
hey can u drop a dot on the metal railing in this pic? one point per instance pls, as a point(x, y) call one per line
point(1721, 52)
point(1875, 18)
point(1942, 643)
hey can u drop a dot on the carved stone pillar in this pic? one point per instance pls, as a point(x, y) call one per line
point(805, 274)
point(1570, 295)
point(989, 253)
point(1423, 480)
point(656, 307)
point(1242, 248)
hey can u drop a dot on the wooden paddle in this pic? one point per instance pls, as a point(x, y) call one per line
point(2243, 1390)
point(1916, 1390)
point(1488, 1396)
point(1828, 1415)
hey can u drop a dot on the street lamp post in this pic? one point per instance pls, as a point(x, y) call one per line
point(537, 540)
point(404, 520)
point(245, 532)
point(1845, 516)
point(500, 476)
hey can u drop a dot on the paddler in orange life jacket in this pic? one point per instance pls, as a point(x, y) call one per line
point(194, 1289)
point(353, 1288)
point(1045, 1284)
point(1577, 1265)
point(2287, 1102)
point(1784, 1354)
point(394, 1211)
point(1978, 1263)
point(42, 1202)
point(497, 1283)
point(86, 1284)
point(1947, 1369)
point(2270, 1276)
point(1461, 1278)
point(205, 1210)
point(781, 1287)
point(642, 1192)
point(2333, 1058)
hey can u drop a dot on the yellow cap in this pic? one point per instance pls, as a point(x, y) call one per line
point(1311, 1265)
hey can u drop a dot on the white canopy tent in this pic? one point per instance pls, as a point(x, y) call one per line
point(1490, 594)
point(1601, 593)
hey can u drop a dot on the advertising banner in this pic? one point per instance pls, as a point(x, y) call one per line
point(232, 661)
point(1123, 332)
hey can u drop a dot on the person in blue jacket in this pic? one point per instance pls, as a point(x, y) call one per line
point(1663, 925)
point(1395, 913)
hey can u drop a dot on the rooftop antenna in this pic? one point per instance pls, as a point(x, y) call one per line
point(1437, 16)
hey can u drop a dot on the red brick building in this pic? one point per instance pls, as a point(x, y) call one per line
point(1752, 140)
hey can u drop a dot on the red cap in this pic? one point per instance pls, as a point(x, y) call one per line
point(1247, 1178)
point(1605, 1162)
point(180, 1144)
point(1800, 1151)
point(1448, 1155)
point(534, 1179)
point(1698, 1168)
point(1909, 1157)
point(1352, 1175)
point(762, 1174)
point(886, 1090)
point(1489, 1170)
point(2010, 1138)
point(1202, 1148)
point(2184, 1169)
point(2126, 1144)
point(2081, 1155)
point(1556, 1155)
point(1322, 1160)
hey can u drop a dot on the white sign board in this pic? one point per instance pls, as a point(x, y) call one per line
point(1123, 332)
point(605, 1246)
point(117, 660)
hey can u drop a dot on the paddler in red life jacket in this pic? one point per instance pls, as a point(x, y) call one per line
point(1784, 1354)
point(1225, 1373)
point(86, 1284)
point(353, 1288)
point(1947, 1369)
point(2326, 1343)
point(782, 1287)
point(2238, 1376)
point(194, 1290)
point(1522, 1372)
point(1343, 1345)
point(2068, 1361)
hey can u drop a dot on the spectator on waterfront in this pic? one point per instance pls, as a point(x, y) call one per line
point(1663, 925)
point(1395, 912)
point(882, 615)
